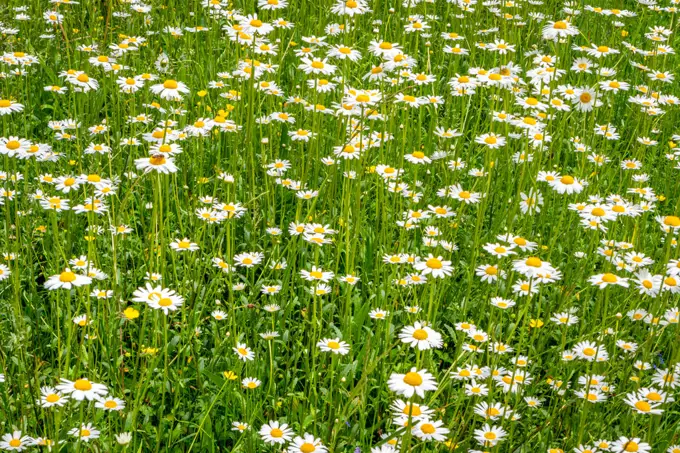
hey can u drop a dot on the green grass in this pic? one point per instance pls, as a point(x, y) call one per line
point(179, 373)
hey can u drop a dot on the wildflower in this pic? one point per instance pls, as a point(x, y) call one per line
point(67, 280)
point(85, 433)
point(170, 90)
point(333, 345)
point(15, 441)
point(413, 382)
point(243, 352)
point(158, 298)
point(275, 433)
point(435, 266)
point(420, 336)
point(81, 389)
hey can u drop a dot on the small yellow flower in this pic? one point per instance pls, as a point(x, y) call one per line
point(535, 323)
point(451, 445)
point(202, 93)
point(230, 375)
point(131, 313)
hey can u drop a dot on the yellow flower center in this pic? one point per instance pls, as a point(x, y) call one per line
point(631, 446)
point(413, 379)
point(609, 278)
point(13, 144)
point(307, 448)
point(170, 84)
point(67, 277)
point(413, 409)
point(434, 263)
point(420, 334)
point(428, 428)
point(157, 160)
point(533, 262)
point(165, 302)
point(83, 385)
point(654, 396)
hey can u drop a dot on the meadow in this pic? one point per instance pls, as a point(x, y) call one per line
point(339, 226)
